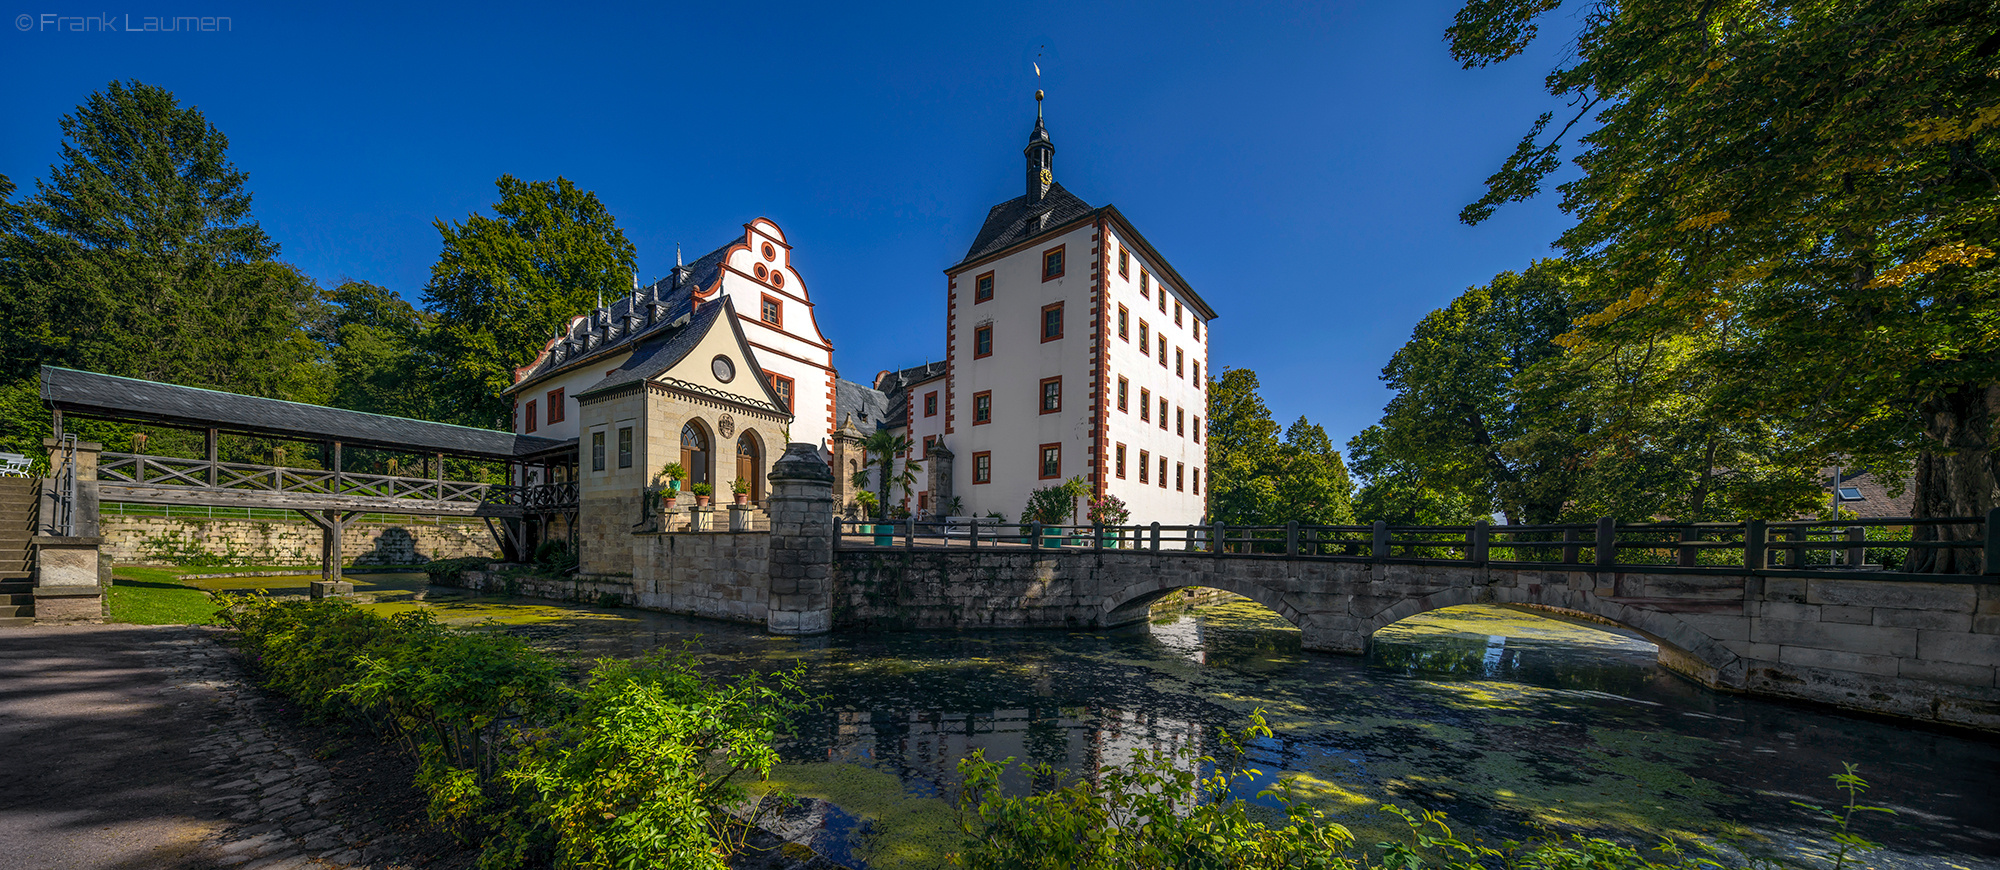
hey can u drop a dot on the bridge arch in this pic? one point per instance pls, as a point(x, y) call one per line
point(1132, 602)
point(1684, 649)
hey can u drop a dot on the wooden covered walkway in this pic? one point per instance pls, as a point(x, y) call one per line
point(329, 497)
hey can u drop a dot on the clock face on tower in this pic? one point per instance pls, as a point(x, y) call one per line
point(1048, 176)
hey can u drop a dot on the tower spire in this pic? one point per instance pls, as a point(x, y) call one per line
point(1041, 155)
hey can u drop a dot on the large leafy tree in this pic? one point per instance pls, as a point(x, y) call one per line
point(1256, 477)
point(372, 337)
point(504, 284)
point(138, 256)
point(1821, 174)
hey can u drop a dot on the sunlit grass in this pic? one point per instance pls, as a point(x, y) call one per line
point(148, 602)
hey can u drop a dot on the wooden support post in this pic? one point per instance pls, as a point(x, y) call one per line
point(1607, 542)
point(1482, 532)
point(1570, 549)
point(1685, 558)
point(1218, 539)
point(437, 480)
point(1035, 535)
point(1378, 544)
point(213, 451)
point(1156, 537)
point(1754, 558)
point(1857, 546)
point(1291, 539)
point(1097, 537)
point(909, 533)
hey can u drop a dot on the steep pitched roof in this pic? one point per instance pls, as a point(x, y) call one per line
point(112, 397)
point(868, 408)
point(1018, 220)
point(659, 354)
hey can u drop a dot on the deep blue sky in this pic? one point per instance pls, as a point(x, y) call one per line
point(1301, 166)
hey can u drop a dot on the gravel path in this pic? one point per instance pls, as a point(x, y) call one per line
point(129, 747)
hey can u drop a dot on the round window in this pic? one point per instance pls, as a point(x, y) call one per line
point(724, 369)
point(762, 272)
point(777, 278)
point(770, 253)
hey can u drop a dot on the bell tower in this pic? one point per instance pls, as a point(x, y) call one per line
point(1041, 157)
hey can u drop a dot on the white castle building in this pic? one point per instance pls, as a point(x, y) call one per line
point(1072, 349)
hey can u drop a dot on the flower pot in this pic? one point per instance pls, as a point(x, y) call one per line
point(1052, 539)
point(885, 535)
point(742, 498)
point(701, 501)
point(667, 506)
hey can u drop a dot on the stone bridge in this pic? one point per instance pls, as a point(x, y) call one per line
point(1925, 650)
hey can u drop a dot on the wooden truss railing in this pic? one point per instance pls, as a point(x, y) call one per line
point(171, 480)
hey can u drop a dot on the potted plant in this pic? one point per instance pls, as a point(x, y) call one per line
point(1109, 511)
point(741, 488)
point(701, 491)
point(867, 502)
point(669, 481)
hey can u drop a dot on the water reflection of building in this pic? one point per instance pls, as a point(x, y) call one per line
point(924, 748)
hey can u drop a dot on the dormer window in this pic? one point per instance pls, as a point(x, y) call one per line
point(1850, 493)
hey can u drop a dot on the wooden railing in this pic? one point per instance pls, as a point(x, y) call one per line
point(1878, 545)
point(197, 481)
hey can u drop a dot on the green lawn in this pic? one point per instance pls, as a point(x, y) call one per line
point(157, 602)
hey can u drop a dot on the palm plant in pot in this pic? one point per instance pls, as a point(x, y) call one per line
point(741, 489)
point(702, 492)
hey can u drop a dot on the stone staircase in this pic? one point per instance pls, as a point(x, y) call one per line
point(17, 585)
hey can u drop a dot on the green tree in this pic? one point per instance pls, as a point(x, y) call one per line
point(138, 256)
point(373, 338)
point(1257, 478)
point(1822, 174)
point(881, 448)
point(1397, 492)
point(504, 284)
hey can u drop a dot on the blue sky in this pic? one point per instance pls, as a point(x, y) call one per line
point(1302, 166)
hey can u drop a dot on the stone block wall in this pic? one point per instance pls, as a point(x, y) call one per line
point(719, 575)
point(143, 540)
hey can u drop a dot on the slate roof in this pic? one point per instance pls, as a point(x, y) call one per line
point(895, 388)
point(675, 294)
point(112, 397)
point(1018, 220)
point(869, 408)
point(665, 348)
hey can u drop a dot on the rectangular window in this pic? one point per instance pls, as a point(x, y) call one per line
point(773, 311)
point(982, 468)
point(982, 288)
point(1145, 337)
point(928, 441)
point(1163, 305)
point(533, 416)
point(1052, 324)
point(1163, 351)
point(1052, 394)
point(1145, 404)
point(982, 407)
point(1124, 320)
point(1145, 283)
point(1124, 390)
point(1180, 470)
point(1180, 422)
point(930, 405)
point(1052, 263)
point(1197, 373)
point(982, 342)
point(1163, 472)
point(624, 447)
point(1163, 413)
point(597, 451)
point(1124, 263)
point(1197, 429)
point(1179, 360)
point(1145, 466)
point(1052, 462)
point(923, 500)
point(782, 386)
point(556, 408)
point(1120, 464)
point(1177, 312)
point(1197, 330)
point(1197, 481)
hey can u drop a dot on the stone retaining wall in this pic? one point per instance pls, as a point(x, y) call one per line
point(142, 540)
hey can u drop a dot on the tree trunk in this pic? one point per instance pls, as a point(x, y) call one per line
point(1958, 475)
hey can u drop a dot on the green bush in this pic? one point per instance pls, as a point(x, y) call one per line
point(637, 767)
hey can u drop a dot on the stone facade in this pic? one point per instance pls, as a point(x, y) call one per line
point(720, 575)
point(1915, 649)
point(801, 543)
point(144, 540)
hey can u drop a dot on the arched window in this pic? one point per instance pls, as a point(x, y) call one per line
point(695, 454)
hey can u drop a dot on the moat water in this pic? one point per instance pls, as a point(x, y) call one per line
point(1504, 719)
